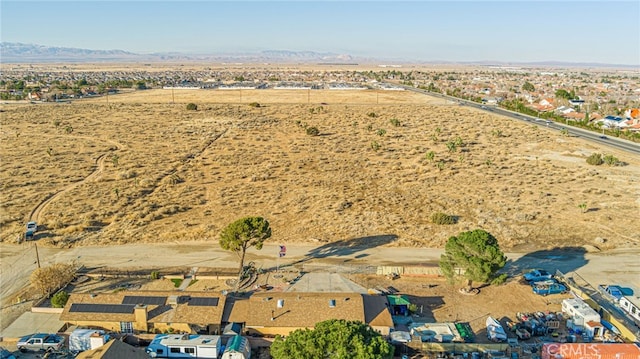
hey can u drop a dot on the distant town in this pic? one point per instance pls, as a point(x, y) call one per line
point(600, 100)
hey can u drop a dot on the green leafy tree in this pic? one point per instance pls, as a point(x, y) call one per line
point(243, 234)
point(563, 94)
point(477, 253)
point(528, 86)
point(335, 339)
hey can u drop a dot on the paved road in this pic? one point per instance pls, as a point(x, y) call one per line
point(617, 266)
point(609, 141)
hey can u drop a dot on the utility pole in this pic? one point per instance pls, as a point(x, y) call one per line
point(35, 245)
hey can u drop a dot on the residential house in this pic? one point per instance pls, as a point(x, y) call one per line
point(147, 311)
point(271, 314)
point(563, 110)
point(613, 122)
point(574, 116)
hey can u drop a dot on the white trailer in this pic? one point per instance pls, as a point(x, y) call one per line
point(631, 305)
point(185, 346)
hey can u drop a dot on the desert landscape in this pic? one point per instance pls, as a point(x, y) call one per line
point(140, 167)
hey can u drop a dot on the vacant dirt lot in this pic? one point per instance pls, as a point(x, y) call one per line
point(158, 172)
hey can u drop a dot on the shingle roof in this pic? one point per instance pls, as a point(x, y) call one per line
point(179, 312)
point(307, 309)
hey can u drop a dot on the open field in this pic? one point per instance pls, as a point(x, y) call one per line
point(158, 172)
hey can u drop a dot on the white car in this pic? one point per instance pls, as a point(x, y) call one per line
point(32, 227)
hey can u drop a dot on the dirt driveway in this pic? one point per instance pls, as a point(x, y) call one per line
point(18, 261)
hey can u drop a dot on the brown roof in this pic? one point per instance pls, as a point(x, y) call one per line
point(307, 309)
point(182, 312)
point(376, 311)
point(114, 349)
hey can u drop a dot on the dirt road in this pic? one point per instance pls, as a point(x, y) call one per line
point(18, 261)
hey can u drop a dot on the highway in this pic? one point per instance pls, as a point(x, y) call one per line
point(609, 141)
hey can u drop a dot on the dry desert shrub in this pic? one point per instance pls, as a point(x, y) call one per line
point(185, 174)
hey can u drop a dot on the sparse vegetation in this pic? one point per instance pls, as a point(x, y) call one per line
point(442, 218)
point(49, 279)
point(395, 122)
point(595, 159)
point(59, 300)
point(451, 146)
point(583, 207)
point(381, 132)
point(192, 106)
point(254, 104)
point(375, 145)
point(372, 114)
point(155, 275)
point(247, 167)
point(313, 131)
point(430, 156)
point(611, 160)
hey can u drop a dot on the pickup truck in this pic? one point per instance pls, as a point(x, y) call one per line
point(40, 341)
point(544, 290)
point(537, 275)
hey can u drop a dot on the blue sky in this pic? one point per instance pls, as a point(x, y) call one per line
point(573, 31)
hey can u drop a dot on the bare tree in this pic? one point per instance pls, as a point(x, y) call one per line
point(51, 278)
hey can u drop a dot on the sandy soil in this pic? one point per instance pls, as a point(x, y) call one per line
point(173, 175)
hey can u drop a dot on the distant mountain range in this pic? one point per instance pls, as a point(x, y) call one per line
point(15, 52)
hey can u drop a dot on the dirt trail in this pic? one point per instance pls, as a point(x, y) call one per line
point(36, 213)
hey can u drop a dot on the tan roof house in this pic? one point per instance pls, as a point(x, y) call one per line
point(147, 311)
point(270, 314)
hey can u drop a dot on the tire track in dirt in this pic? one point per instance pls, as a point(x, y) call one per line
point(36, 213)
point(199, 153)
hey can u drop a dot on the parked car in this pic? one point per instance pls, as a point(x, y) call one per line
point(5, 354)
point(545, 290)
point(40, 341)
point(537, 275)
point(32, 227)
point(544, 282)
point(613, 292)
